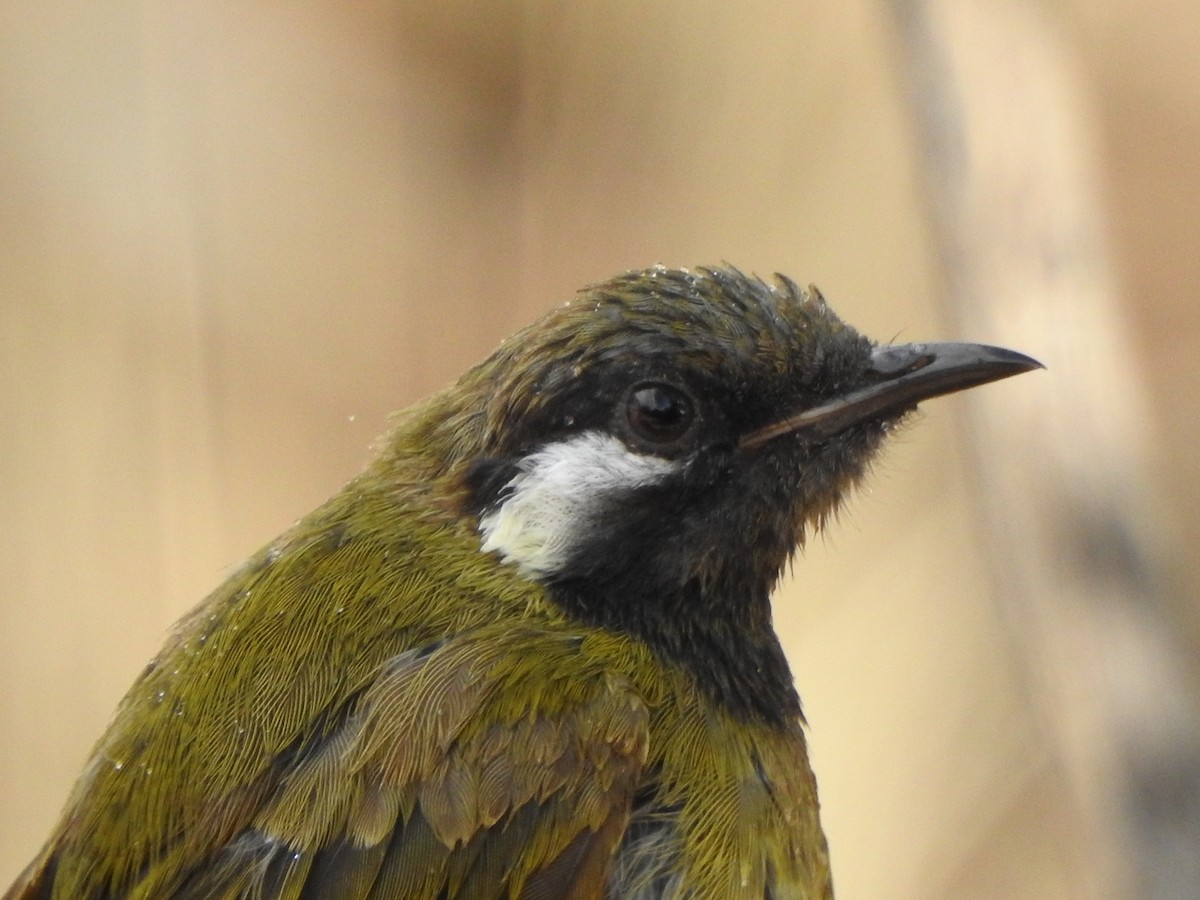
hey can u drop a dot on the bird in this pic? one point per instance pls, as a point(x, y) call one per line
point(528, 651)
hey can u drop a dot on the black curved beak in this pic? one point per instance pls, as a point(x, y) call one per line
point(898, 378)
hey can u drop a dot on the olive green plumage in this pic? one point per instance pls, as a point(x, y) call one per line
point(374, 706)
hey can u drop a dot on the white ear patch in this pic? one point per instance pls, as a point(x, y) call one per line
point(556, 495)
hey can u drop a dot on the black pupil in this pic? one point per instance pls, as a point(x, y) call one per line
point(659, 412)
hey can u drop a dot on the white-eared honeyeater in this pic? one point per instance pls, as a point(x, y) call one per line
point(527, 652)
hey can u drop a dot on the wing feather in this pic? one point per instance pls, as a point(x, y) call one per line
point(445, 780)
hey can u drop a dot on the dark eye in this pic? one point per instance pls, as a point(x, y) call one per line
point(659, 413)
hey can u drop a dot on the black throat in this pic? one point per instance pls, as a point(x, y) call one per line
point(699, 600)
point(726, 644)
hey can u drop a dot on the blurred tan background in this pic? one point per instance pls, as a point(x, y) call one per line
point(233, 237)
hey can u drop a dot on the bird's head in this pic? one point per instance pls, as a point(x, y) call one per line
point(654, 450)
